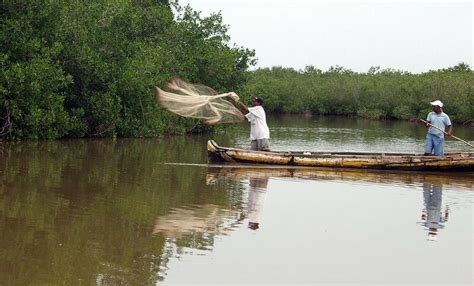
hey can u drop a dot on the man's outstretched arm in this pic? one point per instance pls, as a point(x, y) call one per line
point(235, 100)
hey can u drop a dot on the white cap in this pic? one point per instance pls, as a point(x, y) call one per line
point(437, 102)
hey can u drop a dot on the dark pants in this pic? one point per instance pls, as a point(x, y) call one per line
point(260, 145)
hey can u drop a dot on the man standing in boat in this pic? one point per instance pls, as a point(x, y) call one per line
point(437, 121)
point(259, 132)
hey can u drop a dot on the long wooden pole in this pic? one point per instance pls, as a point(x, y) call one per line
point(426, 122)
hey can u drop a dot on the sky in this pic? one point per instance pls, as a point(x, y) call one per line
point(414, 36)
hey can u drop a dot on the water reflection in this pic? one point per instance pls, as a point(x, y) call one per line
point(196, 220)
point(257, 189)
point(105, 210)
point(433, 218)
point(112, 212)
point(402, 178)
point(256, 200)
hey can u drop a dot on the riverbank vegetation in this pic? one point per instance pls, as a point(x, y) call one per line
point(73, 69)
point(378, 94)
point(80, 69)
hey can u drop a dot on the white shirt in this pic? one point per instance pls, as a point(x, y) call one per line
point(257, 193)
point(258, 123)
point(439, 120)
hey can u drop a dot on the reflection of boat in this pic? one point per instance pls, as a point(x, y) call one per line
point(240, 171)
point(463, 161)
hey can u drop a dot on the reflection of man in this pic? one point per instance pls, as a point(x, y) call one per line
point(432, 216)
point(257, 192)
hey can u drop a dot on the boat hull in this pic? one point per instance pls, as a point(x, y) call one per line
point(385, 161)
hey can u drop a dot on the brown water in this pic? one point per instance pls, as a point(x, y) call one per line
point(152, 211)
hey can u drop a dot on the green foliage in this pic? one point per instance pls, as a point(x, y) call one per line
point(33, 97)
point(74, 69)
point(381, 94)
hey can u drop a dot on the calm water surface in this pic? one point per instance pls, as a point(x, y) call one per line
point(152, 211)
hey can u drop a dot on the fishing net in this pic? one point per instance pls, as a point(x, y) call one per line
point(198, 101)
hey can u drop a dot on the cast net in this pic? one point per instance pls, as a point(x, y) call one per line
point(198, 101)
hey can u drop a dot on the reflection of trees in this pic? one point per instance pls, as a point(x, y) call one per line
point(84, 210)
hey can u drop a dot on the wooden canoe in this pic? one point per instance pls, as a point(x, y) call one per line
point(460, 161)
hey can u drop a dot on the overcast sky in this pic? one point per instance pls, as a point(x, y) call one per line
point(413, 36)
